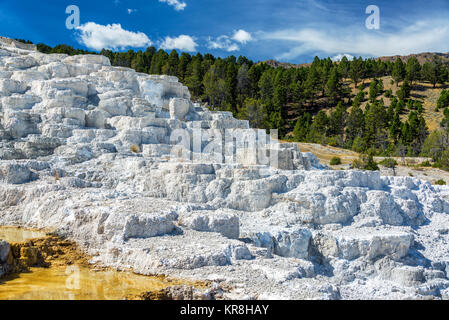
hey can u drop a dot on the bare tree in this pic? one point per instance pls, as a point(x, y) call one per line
point(402, 152)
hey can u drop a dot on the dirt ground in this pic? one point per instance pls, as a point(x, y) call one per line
point(408, 167)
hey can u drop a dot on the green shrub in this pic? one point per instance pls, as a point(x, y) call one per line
point(388, 162)
point(369, 162)
point(335, 141)
point(426, 164)
point(357, 164)
point(440, 182)
point(366, 162)
point(335, 161)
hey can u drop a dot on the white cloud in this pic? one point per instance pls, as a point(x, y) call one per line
point(317, 5)
point(340, 56)
point(223, 43)
point(183, 42)
point(111, 36)
point(230, 43)
point(422, 36)
point(242, 36)
point(130, 11)
point(176, 4)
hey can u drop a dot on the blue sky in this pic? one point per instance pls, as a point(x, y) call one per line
point(292, 31)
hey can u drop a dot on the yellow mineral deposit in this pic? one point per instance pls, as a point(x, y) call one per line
point(15, 234)
point(68, 276)
point(78, 283)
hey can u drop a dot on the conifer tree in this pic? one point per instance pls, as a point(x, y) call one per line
point(399, 72)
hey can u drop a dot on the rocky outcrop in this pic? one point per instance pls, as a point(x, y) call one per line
point(4, 255)
point(50, 250)
point(141, 177)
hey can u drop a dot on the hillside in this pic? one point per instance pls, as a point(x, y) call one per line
point(277, 64)
point(422, 57)
point(421, 91)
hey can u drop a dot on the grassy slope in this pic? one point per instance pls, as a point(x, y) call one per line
point(407, 166)
point(422, 91)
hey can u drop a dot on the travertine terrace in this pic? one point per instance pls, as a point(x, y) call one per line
point(127, 166)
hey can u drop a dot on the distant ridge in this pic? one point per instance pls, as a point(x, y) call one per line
point(422, 58)
point(286, 65)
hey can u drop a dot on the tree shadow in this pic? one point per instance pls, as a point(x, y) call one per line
point(417, 96)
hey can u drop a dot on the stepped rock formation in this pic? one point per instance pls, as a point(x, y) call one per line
point(127, 166)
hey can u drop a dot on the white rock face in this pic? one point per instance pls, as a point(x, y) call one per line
point(126, 165)
point(223, 223)
point(14, 173)
point(148, 225)
point(179, 108)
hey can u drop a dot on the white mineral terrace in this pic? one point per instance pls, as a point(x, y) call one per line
point(127, 166)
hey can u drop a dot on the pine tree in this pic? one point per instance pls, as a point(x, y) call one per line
point(275, 121)
point(280, 90)
point(355, 123)
point(266, 87)
point(434, 72)
point(356, 70)
point(320, 122)
point(231, 86)
point(243, 83)
point(184, 62)
point(373, 90)
point(395, 128)
point(445, 122)
point(399, 72)
point(375, 120)
point(421, 135)
point(148, 56)
point(194, 77)
point(369, 163)
point(337, 120)
point(333, 87)
point(344, 67)
point(302, 127)
point(324, 70)
point(214, 88)
point(311, 86)
point(443, 100)
point(254, 74)
point(138, 62)
point(404, 92)
point(413, 70)
point(158, 61)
